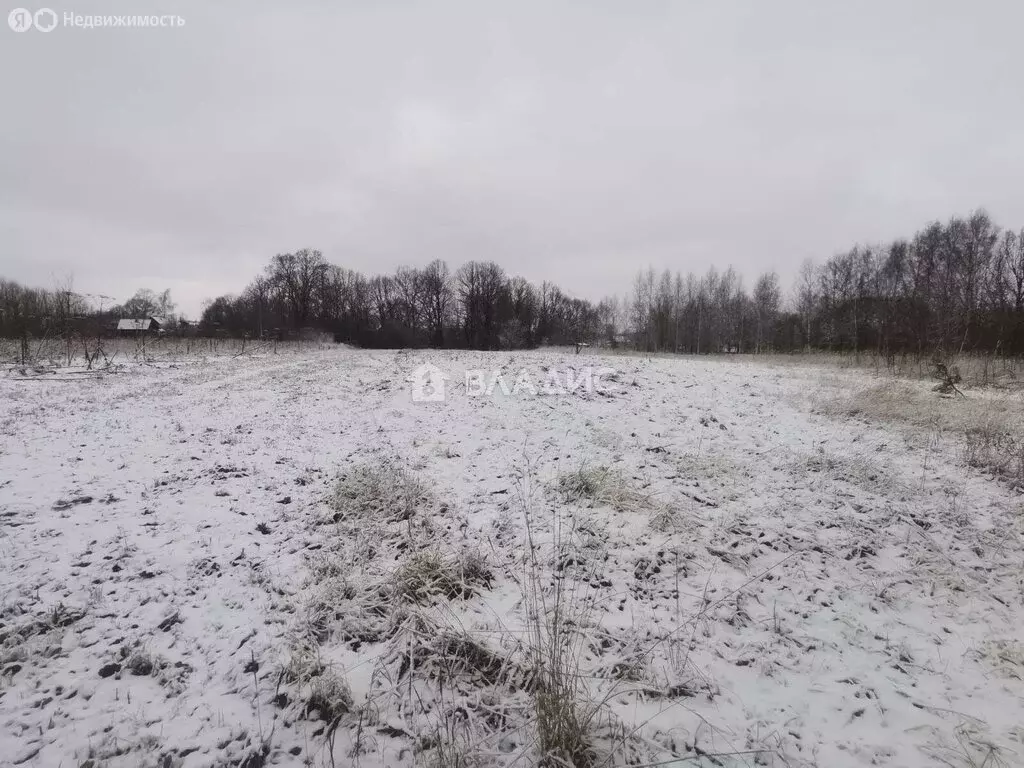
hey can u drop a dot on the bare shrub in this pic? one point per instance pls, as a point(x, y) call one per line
point(948, 375)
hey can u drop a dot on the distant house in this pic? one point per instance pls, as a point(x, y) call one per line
point(128, 326)
point(616, 341)
point(186, 328)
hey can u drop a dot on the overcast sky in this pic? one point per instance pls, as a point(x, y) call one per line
point(568, 141)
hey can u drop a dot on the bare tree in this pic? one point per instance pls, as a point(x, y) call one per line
point(481, 290)
point(437, 300)
point(767, 297)
point(296, 276)
point(807, 298)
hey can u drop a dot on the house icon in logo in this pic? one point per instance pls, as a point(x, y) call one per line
point(427, 383)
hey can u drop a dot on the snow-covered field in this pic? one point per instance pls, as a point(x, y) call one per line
point(285, 560)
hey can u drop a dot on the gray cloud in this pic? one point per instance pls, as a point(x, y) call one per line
point(569, 141)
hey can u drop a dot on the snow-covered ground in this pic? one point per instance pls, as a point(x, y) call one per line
point(238, 561)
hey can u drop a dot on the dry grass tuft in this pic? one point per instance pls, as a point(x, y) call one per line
point(436, 651)
point(975, 369)
point(141, 663)
point(450, 744)
point(987, 424)
point(341, 611)
point(385, 491)
point(992, 447)
point(970, 747)
point(564, 713)
point(329, 697)
point(603, 487)
point(429, 574)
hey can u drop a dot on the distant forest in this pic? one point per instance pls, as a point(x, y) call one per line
point(953, 286)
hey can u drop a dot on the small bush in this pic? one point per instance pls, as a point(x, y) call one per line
point(948, 375)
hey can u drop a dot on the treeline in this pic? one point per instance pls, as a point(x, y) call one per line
point(477, 306)
point(35, 310)
point(40, 312)
point(954, 287)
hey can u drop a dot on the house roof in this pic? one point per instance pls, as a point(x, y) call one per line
point(129, 324)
